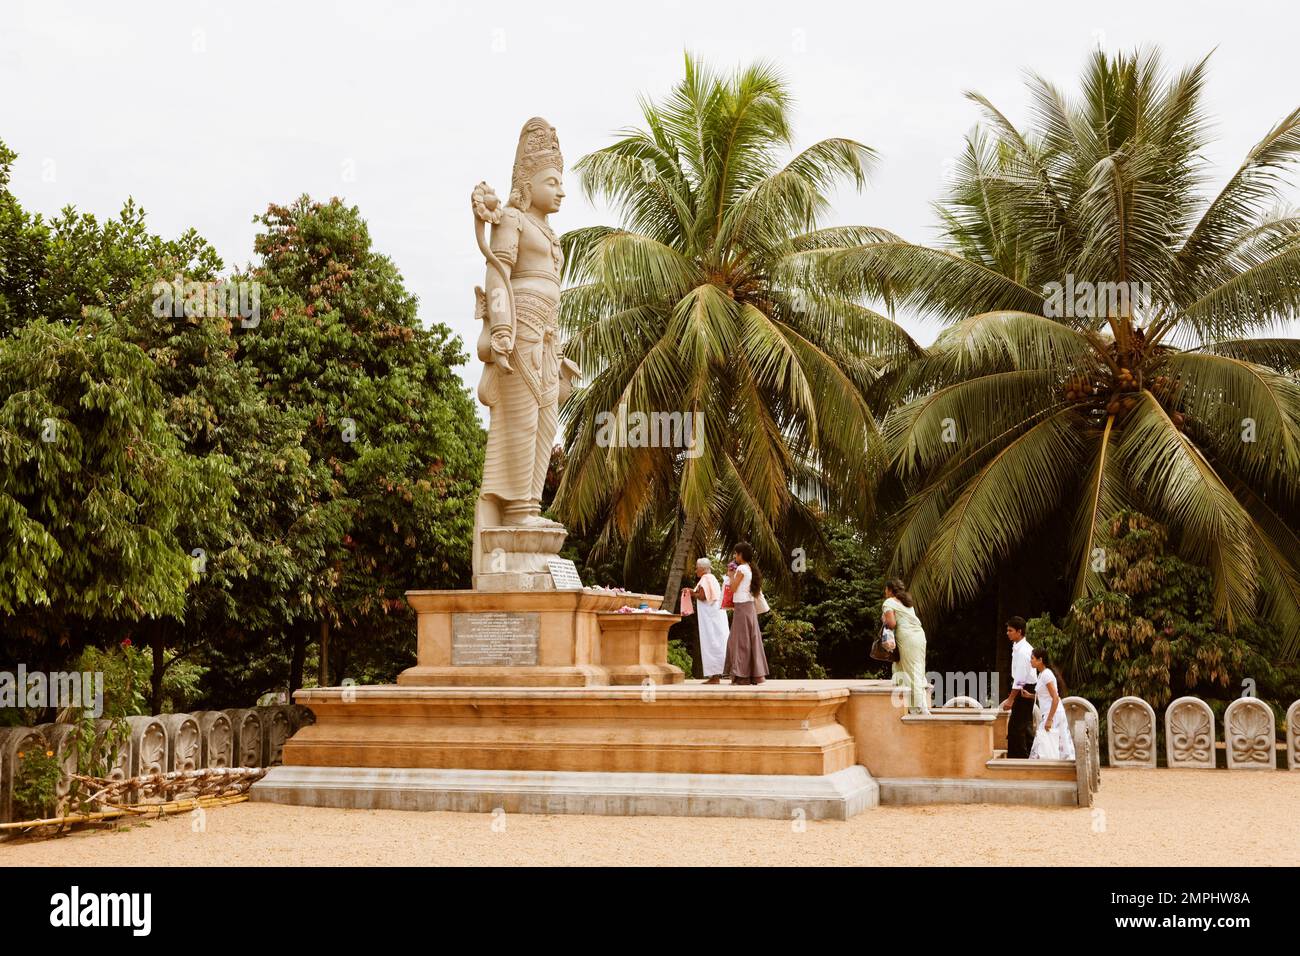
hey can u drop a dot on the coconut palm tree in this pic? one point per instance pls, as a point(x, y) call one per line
point(1114, 342)
point(682, 311)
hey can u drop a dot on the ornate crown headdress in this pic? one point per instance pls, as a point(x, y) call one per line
point(538, 149)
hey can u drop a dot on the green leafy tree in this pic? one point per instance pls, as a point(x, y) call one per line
point(249, 560)
point(839, 595)
point(93, 485)
point(791, 648)
point(688, 307)
point(56, 269)
point(1102, 351)
point(391, 435)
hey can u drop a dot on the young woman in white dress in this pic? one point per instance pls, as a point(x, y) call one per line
point(712, 621)
point(1053, 740)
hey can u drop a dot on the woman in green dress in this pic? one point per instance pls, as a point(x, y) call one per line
point(900, 617)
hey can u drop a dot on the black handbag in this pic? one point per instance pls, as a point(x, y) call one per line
point(879, 651)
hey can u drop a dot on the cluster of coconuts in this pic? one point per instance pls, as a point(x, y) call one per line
point(1125, 382)
point(1081, 387)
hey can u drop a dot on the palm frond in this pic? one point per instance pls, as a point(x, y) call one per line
point(1188, 494)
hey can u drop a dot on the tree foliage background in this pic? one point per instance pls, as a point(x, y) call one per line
point(227, 493)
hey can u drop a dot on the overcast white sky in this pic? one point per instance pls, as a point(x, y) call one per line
point(206, 111)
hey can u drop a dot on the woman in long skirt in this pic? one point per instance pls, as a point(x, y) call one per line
point(746, 663)
point(712, 621)
point(899, 616)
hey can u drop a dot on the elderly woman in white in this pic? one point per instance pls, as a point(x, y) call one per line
point(712, 622)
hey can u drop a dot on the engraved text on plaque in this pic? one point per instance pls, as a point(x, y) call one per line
point(495, 638)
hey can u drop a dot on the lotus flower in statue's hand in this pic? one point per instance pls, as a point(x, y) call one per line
point(486, 203)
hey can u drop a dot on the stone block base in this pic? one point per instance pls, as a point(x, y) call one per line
point(835, 796)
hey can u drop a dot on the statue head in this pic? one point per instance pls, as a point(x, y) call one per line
point(537, 179)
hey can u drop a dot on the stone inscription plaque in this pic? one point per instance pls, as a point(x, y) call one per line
point(564, 574)
point(500, 638)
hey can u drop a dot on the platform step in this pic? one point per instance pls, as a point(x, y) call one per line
point(919, 791)
point(1024, 763)
point(834, 796)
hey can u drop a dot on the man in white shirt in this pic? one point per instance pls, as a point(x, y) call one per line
point(1020, 727)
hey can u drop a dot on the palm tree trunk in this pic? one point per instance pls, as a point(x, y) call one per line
point(676, 568)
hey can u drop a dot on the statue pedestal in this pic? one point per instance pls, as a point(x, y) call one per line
point(537, 639)
point(514, 559)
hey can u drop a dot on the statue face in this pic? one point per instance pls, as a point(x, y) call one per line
point(547, 191)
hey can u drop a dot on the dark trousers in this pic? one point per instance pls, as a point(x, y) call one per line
point(1020, 726)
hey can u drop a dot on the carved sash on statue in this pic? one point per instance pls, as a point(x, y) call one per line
point(525, 375)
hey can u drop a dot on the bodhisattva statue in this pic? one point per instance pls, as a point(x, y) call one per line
point(525, 375)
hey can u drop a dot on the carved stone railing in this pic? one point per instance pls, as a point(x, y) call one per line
point(1191, 742)
point(250, 737)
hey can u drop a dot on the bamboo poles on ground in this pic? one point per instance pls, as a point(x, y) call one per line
point(208, 788)
point(151, 809)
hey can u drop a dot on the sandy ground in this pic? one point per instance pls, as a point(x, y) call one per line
point(1159, 817)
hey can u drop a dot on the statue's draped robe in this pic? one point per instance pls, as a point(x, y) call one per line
point(524, 402)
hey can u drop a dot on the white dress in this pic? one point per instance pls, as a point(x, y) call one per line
point(1059, 735)
point(713, 625)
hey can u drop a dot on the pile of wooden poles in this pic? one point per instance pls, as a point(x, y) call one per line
point(155, 794)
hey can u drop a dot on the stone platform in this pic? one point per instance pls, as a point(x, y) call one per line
point(826, 749)
point(770, 751)
point(683, 728)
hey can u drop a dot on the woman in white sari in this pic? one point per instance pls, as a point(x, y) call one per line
point(712, 622)
point(1053, 740)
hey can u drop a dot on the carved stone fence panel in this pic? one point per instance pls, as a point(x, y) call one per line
point(1249, 735)
point(1189, 734)
point(1131, 733)
point(184, 743)
point(217, 737)
point(247, 727)
point(1293, 736)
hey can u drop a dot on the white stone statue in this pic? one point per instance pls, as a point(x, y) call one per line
point(525, 375)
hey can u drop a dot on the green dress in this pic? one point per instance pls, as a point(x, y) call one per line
point(909, 669)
